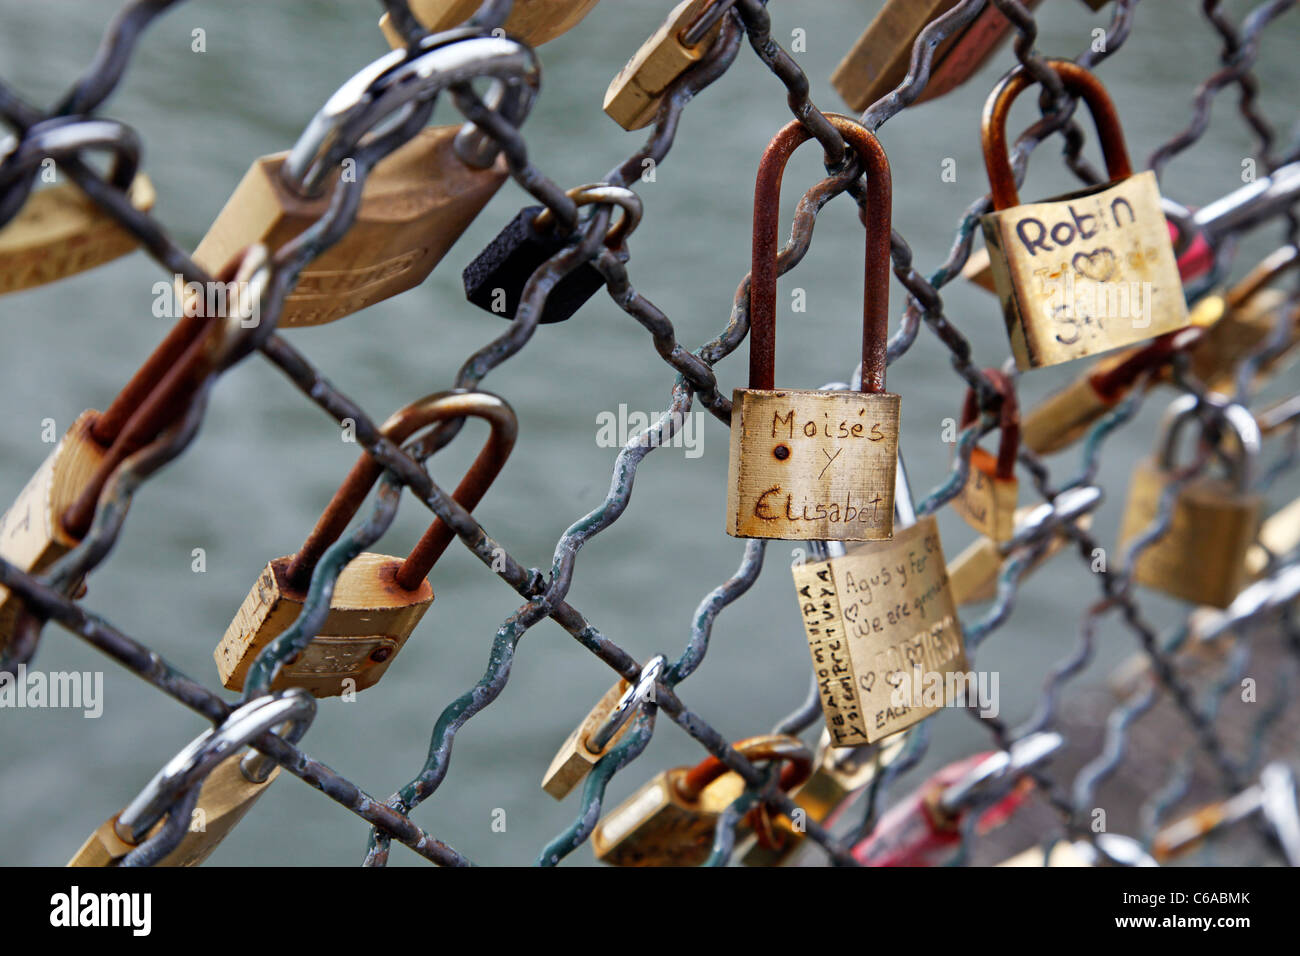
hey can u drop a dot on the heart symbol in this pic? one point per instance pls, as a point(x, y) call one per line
point(851, 613)
point(869, 681)
point(1098, 266)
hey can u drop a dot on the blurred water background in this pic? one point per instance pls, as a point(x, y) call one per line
point(267, 460)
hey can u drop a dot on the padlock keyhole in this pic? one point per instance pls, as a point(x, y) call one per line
point(781, 452)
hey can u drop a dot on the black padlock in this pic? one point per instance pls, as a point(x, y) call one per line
point(495, 280)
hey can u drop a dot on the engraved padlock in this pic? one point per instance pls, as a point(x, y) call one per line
point(496, 279)
point(815, 465)
point(600, 730)
point(533, 21)
point(635, 95)
point(987, 501)
point(1201, 557)
point(882, 628)
point(56, 509)
point(377, 600)
point(415, 202)
point(60, 231)
point(230, 780)
point(1088, 271)
point(671, 821)
point(881, 57)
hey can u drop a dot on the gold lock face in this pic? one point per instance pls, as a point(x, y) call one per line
point(415, 204)
point(812, 465)
point(574, 760)
point(1085, 273)
point(884, 635)
point(655, 827)
point(987, 502)
point(369, 620)
point(225, 797)
point(61, 231)
point(1238, 333)
point(1202, 557)
point(634, 96)
point(533, 21)
point(31, 531)
point(973, 574)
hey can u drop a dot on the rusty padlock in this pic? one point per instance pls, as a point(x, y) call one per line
point(377, 600)
point(60, 231)
point(533, 21)
point(1202, 556)
point(988, 498)
point(815, 465)
point(415, 202)
point(1088, 271)
point(672, 819)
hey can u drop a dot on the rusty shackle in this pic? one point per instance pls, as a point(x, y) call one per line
point(1008, 420)
point(438, 407)
point(1276, 264)
point(762, 274)
point(794, 752)
point(1076, 80)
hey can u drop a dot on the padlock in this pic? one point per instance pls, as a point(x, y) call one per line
point(1278, 535)
point(973, 574)
point(815, 465)
point(882, 629)
point(55, 510)
point(495, 280)
point(1086, 272)
point(230, 781)
point(838, 776)
point(533, 21)
point(599, 731)
point(377, 600)
point(415, 202)
point(880, 59)
point(1202, 556)
point(60, 231)
point(635, 95)
point(987, 501)
point(1273, 798)
point(671, 820)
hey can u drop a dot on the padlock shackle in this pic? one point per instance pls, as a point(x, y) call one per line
point(763, 266)
point(1277, 263)
point(1237, 417)
point(1008, 420)
point(765, 747)
point(597, 193)
point(64, 137)
point(438, 407)
point(1076, 80)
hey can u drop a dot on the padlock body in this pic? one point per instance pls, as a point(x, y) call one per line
point(988, 503)
point(811, 465)
point(1202, 557)
point(533, 21)
point(32, 535)
point(61, 231)
point(224, 799)
point(973, 574)
point(1085, 273)
point(575, 759)
point(656, 827)
point(883, 632)
point(495, 280)
point(415, 204)
point(369, 620)
point(634, 96)
point(1236, 335)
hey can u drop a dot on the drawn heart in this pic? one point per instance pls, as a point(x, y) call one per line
point(869, 681)
point(851, 613)
point(1098, 266)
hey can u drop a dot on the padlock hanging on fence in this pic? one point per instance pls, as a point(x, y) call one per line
point(531, 21)
point(987, 501)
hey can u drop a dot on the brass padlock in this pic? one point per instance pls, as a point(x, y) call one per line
point(1202, 556)
point(882, 629)
point(973, 574)
point(987, 501)
point(672, 819)
point(815, 465)
point(880, 59)
point(230, 781)
point(599, 731)
point(377, 600)
point(635, 95)
point(533, 21)
point(60, 231)
point(1088, 271)
point(415, 202)
point(55, 510)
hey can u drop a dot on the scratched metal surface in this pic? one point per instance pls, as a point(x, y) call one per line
point(265, 460)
